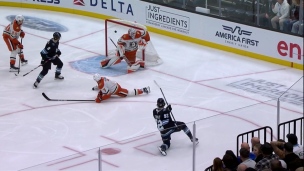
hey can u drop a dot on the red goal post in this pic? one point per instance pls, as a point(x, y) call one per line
point(115, 28)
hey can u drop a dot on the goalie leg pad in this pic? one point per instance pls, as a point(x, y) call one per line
point(141, 63)
point(110, 61)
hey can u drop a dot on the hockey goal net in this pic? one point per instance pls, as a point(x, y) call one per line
point(115, 28)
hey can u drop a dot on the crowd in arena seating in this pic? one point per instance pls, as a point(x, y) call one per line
point(274, 156)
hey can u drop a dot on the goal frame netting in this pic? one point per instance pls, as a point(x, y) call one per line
point(143, 54)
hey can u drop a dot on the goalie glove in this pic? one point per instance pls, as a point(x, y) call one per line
point(142, 44)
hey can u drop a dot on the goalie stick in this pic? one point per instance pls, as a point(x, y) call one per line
point(47, 98)
point(165, 101)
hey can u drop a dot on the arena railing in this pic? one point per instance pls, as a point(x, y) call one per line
point(265, 134)
point(295, 126)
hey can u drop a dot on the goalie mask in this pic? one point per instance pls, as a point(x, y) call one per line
point(96, 77)
point(160, 102)
point(19, 19)
point(132, 33)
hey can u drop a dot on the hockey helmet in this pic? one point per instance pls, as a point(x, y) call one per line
point(56, 36)
point(160, 102)
point(96, 77)
point(19, 19)
point(132, 33)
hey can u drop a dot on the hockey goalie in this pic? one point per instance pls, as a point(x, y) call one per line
point(127, 46)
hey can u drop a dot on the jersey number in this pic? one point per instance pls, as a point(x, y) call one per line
point(160, 125)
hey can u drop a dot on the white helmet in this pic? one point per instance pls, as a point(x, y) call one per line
point(19, 19)
point(96, 77)
point(132, 33)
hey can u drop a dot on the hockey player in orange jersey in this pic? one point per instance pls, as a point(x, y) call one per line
point(10, 35)
point(127, 47)
point(107, 88)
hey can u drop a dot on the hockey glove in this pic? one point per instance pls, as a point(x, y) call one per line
point(20, 46)
point(169, 108)
point(95, 88)
point(22, 34)
point(58, 52)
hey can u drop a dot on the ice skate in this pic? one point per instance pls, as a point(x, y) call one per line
point(13, 68)
point(59, 77)
point(23, 62)
point(162, 150)
point(196, 140)
point(35, 85)
point(146, 90)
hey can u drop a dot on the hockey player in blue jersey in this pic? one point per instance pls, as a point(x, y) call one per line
point(167, 126)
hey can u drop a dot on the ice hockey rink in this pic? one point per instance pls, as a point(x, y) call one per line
point(204, 85)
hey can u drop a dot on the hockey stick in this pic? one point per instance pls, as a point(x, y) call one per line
point(36, 67)
point(165, 101)
point(47, 98)
point(125, 58)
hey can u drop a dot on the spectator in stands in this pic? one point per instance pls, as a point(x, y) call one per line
point(254, 141)
point(246, 160)
point(289, 155)
point(275, 165)
point(268, 156)
point(281, 9)
point(286, 154)
point(229, 162)
point(174, 3)
point(278, 148)
point(297, 27)
point(190, 5)
point(258, 153)
point(265, 14)
point(241, 167)
point(246, 146)
point(235, 161)
point(299, 163)
point(294, 16)
point(297, 149)
point(217, 165)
